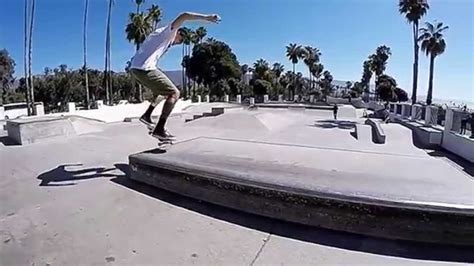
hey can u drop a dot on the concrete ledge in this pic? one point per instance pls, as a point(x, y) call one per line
point(378, 135)
point(363, 133)
point(36, 129)
point(226, 185)
point(294, 105)
point(425, 136)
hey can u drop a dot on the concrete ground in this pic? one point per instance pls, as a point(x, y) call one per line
point(69, 202)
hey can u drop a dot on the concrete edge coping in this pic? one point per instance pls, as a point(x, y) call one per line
point(378, 133)
point(220, 174)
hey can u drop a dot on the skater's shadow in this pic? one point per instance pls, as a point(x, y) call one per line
point(316, 235)
point(156, 151)
point(66, 174)
point(341, 124)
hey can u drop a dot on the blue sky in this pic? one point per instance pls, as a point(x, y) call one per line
point(346, 31)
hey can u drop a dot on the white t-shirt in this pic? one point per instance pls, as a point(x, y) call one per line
point(154, 46)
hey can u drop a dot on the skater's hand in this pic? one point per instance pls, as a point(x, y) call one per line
point(214, 18)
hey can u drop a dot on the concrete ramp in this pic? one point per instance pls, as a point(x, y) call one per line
point(84, 125)
point(230, 121)
point(400, 139)
point(397, 134)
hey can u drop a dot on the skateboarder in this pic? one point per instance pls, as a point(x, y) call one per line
point(143, 68)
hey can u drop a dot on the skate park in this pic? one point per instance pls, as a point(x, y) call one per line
point(290, 165)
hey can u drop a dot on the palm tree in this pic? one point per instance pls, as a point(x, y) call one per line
point(316, 71)
point(154, 14)
point(366, 76)
point(138, 3)
point(278, 69)
point(86, 80)
point(261, 68)
point(433, 44)
point(310, 57)
point(413, 11)
point(107, 75)
point(139, 27)
point(30, 50)
point(378, 62)
point(188, 36)
point(25, 59)
point(201, 33)
point(293, 52)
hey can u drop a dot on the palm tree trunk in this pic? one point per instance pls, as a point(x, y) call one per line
point(292, 94)
point(86, 79)
point(429, 97)
point(25, 63)
point(107, 54)
point(183, 74)
point(415, 63)
point(30, 48)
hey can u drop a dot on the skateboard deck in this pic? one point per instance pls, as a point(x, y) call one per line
point(165, 144)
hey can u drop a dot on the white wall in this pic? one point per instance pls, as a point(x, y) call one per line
point(460, 145)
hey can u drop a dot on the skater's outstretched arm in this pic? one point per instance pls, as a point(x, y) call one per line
point(193, 16)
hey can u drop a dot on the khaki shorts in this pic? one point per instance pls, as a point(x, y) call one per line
point(155, 80)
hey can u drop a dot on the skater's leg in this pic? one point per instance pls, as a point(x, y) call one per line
point(146, 117)
point(160, 84)
point(167, 108)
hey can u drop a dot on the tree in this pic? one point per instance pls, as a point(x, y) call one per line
point(212, 61)
point(244, 69)
point(433, 44)
point(188, 38)
point(278, 69)
point(326, 83)
point(316, 71)
point(402, 96)
point(357, 89)
point(200, 33)
point(139, 26)
point(414, 10)
point(25, 60)
point(366, 76)
point(294, 53)
point(154, 15)
point(386, 88)
point(7, 69)
point(30, 52)
point(86, 81)
point(378, 62)
point(261, 87)
point(310, 58)
point(261, 70)
point(107, 75)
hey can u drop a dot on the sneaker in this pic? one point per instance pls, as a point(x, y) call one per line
point(162, 136)
point(146, 120)
point(170, 136)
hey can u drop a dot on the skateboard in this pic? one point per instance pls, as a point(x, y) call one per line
point(165, 144)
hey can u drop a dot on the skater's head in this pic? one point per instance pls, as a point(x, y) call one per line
point(179, 36)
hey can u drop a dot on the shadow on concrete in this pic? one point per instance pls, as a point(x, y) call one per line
point(60, 176)
point(341, 124)
point(349, 241)
point(461, 163)
point(5, 140)
point(156, 151)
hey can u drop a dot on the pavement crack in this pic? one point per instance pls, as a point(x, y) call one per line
point(265, 241)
